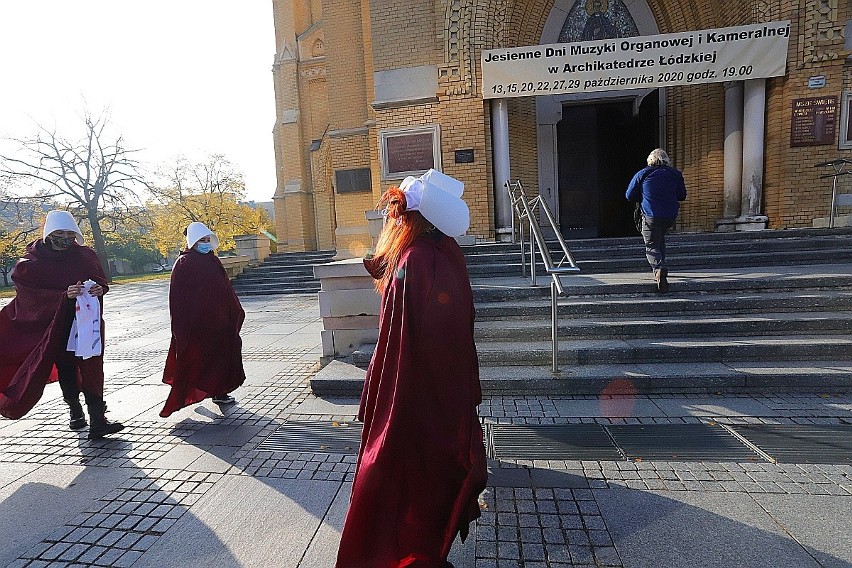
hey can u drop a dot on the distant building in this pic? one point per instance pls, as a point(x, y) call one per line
point(367, 91)
point(23, 213)
point(267, 206)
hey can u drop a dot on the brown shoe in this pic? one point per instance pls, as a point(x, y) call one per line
point(662, 283)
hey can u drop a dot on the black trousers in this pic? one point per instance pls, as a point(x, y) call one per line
point(654, 233)
point(90, 370)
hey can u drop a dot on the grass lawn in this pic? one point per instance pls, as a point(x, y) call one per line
point(9, 291)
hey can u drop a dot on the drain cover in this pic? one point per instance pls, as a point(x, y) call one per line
point(314, 437)
point(679, 442)
point(551, 442)
point(800, 443)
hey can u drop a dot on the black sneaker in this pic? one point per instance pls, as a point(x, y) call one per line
point(78, 423)
point(224, 399)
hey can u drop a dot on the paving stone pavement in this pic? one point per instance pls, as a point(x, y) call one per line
point(204, 487)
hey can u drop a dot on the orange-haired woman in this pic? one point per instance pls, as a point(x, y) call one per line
point(421, 465)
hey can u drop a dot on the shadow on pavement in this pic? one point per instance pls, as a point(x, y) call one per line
point(298, 508)
point(101, 515)
point(619, 526)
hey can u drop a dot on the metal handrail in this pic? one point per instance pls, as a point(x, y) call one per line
point(839, 166)
point(524, 208)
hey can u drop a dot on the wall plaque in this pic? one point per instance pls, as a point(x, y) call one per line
point(814, 121)
point(410, 153)
point(464, 156)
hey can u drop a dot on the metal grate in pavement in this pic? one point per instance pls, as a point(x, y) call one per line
point(551, 442)
point(680, 442)
point(801, 443)
point(314, 437)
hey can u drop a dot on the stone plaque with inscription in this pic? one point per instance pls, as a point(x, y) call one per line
point(410, 153)
point(814, 121)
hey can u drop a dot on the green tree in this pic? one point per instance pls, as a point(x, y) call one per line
point(20, 222)
point(209, 192)
point(134, 246)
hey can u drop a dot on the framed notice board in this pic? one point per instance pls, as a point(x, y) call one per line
point(409, 151)
point(814, 121)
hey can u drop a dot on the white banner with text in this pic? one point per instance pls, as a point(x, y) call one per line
point(641, 62)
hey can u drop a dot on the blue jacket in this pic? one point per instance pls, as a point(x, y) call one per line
point(660, 188)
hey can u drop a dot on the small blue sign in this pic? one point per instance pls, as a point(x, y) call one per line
point(816, 82)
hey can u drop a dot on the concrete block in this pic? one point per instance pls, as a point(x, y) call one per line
point(337, 303)
point(338, 378)
point(348, 268)
point(839, 221)
point(351, 322)
point(346, 341)
point(234, 265)
point(256, 247)
point(327, 338)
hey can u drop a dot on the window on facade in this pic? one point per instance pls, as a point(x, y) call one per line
point(353, 180)
point(589, 20)
point(846, 121)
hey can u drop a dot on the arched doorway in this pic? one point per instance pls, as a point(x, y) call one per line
point(600, 145)
point(590, 144)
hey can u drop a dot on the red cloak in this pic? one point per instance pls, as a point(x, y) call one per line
point(34, 326)
point(421, 465)
point(205, 355)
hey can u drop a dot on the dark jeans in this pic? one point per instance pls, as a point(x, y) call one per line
point(654, 233)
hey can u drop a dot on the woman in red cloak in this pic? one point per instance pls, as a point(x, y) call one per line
point(35, 328)
point(421, 465)
point(205, 356)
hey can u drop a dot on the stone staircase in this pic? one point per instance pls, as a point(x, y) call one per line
point(686, 250)
point(283, 273)
point(747, 311)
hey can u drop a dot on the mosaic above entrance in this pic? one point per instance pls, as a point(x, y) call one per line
point(597, 19)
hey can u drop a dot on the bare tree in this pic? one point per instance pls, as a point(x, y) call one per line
point(97, 178)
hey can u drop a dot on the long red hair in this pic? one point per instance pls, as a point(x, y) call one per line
point(400, 230)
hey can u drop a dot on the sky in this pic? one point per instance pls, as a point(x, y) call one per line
point(178, 77)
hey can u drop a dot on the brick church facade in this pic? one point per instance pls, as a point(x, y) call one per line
point(359, 83)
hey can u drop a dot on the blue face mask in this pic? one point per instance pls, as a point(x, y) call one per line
point(203, 248)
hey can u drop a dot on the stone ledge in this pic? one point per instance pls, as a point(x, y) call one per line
point(234, 265)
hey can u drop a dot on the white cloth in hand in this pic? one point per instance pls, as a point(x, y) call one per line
point(85, 337)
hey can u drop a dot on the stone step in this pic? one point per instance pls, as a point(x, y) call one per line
point(265, 277)
point(657, 326)
point(300, 256)
point(687, 283)
point(715, 349)
point(627, 246)
point(267, 289)
point(794, 238)
point(683, 350)
point(807, 300)
point(283, 273)
point(819, 376)
point(773, 240)
point(499, 265)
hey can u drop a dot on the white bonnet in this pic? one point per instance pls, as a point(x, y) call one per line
point(438, 198)
point(57, 220)
point(197, 230)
